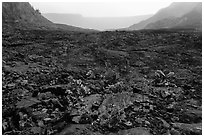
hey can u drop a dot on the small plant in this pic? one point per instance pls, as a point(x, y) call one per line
point(163, 80)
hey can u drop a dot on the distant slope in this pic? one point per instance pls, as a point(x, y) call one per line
point(192, 19)
point(164, 23)
point(175, 10)
point(100, 23)
point(22, 15)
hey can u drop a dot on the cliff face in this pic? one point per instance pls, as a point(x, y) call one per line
point(166, 16)
point(22, 15)
point(192, 19)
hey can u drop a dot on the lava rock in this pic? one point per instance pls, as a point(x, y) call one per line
point(56, 89)
point(193, 129)
point(191, 116)
point(78, 129)
point(24, 103)
point(135, 131)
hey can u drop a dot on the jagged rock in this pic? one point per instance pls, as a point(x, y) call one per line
point(141, 85)
point(193, 103)
point(57, 103)
point(110, 76)
point(5, 125)
point(59, 126)
point(19, 68)
point(86, 119)
point(121, 100)
point(39, 115)
point(165, 124)
point(28, 102)
point(90, 106)
point(44, 110)
point(192, 129)
point(114, 104)
point(40, 123)
point(183, 74)
point(36, 130)
point(76, 119)
point(171, 107)
point(138, 64)
point(22, 92)
point(78, 129)
point(47, 119)
point(55, 89)
point(24, 82)
point(191, 116)
point(174, 132)
point(90, 74)
point(44, 96)
point(92, 100)
point(174, 92)
point(11, 85)
point(128, 123)
point(135, 131)
point(140, 120)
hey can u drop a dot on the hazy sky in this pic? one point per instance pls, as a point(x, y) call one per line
point(101, 9)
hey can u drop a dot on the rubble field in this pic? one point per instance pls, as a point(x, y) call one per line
point(146, 82)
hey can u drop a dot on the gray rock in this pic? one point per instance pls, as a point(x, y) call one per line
point(116, 103)
point(135, 131)
point(87, 104)
point(191, 115)
point(174, 132)
point(189, 128)
point(36, 130)
point(165, 124)
point(55, 89)
point(166, 91)
point(76, 119)
point(11, 85)
point(183, 74)
point(38, 114)
point(193, 103)
point(121, 100)
point(24, 103)
point(78, 129)
point(91, 100)
point(139, 64)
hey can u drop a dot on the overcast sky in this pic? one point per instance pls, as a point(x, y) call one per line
point(101, 9)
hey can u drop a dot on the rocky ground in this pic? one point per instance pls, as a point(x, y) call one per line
point(140, 82)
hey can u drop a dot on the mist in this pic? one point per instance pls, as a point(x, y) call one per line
point(98, 23)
